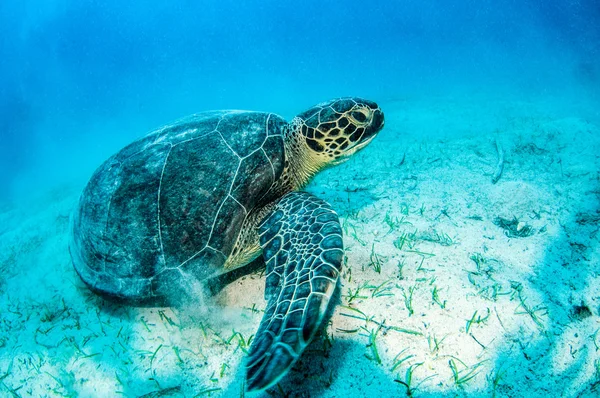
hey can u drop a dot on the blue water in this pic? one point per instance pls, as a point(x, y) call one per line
point(79, 79)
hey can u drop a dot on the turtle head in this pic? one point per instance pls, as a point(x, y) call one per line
point(332, 131)
point(326, 135)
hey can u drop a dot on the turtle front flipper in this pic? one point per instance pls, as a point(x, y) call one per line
point(302, 248)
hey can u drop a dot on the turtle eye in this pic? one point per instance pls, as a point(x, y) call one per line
point(359, 116)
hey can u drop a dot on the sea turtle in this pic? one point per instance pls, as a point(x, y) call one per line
point(208, 194)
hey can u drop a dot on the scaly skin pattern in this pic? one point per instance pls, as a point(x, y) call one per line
point(303, 250)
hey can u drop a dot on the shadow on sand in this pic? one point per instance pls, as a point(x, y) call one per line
point(565, 347)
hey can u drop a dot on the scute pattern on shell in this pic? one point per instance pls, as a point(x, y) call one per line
point(167, 208)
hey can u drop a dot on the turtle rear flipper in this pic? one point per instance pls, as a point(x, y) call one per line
point(303, 250)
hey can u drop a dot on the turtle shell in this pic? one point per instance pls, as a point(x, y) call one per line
point(167, 209)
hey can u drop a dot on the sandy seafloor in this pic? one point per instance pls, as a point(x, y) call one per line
point(436, 300)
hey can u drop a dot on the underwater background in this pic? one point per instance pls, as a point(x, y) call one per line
point(471, 223)
point(79, 79)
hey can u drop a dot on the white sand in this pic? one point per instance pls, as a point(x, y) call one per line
point(419, 202)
